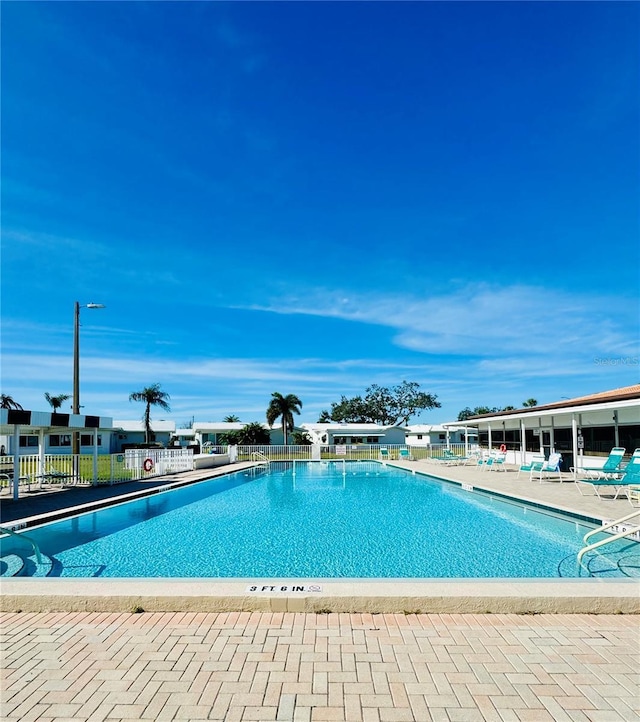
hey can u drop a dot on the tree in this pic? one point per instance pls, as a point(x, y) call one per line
point(283, 407)
point(529, 403)
point(253, 434)
point(151, 396)
point(231, 419)
point(382, 405)
point(324, 418)
point(301, 438)
point(56, 401)
point(480, 410)
point(7, 402)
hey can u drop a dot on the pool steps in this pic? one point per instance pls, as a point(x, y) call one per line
point(16, 565)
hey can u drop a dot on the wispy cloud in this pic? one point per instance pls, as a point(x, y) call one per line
point(479, 320)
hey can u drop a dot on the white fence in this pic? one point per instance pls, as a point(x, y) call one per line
point(135, 464)
point(37, 470)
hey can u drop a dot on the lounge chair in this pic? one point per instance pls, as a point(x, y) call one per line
point(612, 466)
point(630, 478)
point(551, 467)
point(384, 454)
point(405, 454)
point(450, 459)
point(536, 463)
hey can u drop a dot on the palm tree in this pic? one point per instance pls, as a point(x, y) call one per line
point(231, 419)
point(283, 407)
point(151, 396)
point(56, 401)
point(7, 402)
point(529, 403)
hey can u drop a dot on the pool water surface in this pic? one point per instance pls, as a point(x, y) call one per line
point(324, 520)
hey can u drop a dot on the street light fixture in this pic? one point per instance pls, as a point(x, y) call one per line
point(76, 365)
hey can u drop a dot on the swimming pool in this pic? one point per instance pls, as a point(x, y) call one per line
point(323, 520)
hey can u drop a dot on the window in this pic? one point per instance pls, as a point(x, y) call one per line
point(442, 437)
point(419, 436)
point(356, 439)
point(372, 439)
point(60, 440)
point(87, 440)
point(28, 441)
point(339, 439)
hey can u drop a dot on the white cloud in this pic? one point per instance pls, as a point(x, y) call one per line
point(480, 320)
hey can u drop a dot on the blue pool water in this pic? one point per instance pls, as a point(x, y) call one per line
point(327, 520)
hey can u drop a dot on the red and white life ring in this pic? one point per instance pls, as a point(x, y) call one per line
point(147, 465)
point(503, 448)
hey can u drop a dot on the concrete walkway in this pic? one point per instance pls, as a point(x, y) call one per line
point(308, 667)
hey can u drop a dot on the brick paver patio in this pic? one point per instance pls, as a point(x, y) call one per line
point(318, 667)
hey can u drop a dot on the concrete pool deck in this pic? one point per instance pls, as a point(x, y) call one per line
point(521, 596)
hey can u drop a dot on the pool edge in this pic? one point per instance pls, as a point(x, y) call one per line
point(487, 596)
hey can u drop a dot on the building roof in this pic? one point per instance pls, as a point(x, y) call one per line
point(601, 409)
point(623, 394)
point(350, 428)
point(138, 425)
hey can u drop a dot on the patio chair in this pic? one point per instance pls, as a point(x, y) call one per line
point(612, 466)
point(499, 460)
point(551, 467)
point(405, 454)
point(536, 463)
point(384, 454)
point(629, 480)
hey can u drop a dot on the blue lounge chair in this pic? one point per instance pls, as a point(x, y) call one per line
point(630, 477)
point(405, 454)
point(612, 466)
point(384, 454)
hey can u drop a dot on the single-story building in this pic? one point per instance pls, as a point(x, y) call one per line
point(211, 432)
point(354, 434)
point(583, 430)
point(130, 433)
point(432, 434)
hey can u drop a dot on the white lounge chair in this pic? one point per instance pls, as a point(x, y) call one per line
point(551, 467)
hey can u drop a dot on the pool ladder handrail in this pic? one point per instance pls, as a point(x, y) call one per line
point(610, 538)
point(261, 458)
point(36, 548)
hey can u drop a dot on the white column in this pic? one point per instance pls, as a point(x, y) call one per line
point(95, 456)
point(523, 444)
point(574, 444)
point(16, 460)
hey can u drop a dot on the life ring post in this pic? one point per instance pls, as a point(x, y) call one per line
point(503, 448)
point(147, 464)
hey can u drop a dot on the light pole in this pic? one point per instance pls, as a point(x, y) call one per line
point(76, 366)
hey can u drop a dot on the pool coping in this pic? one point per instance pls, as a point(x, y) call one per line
point(476, 596)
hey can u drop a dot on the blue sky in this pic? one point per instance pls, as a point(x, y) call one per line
point(314, 197)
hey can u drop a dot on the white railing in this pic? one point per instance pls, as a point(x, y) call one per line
point(86, 469)
point(621, 530)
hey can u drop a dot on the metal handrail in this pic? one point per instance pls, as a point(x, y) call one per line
point(36, 548)
point(259, 456)
point(613, 537)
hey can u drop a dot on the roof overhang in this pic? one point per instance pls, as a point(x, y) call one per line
point(602, 414)
point(33, 422)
